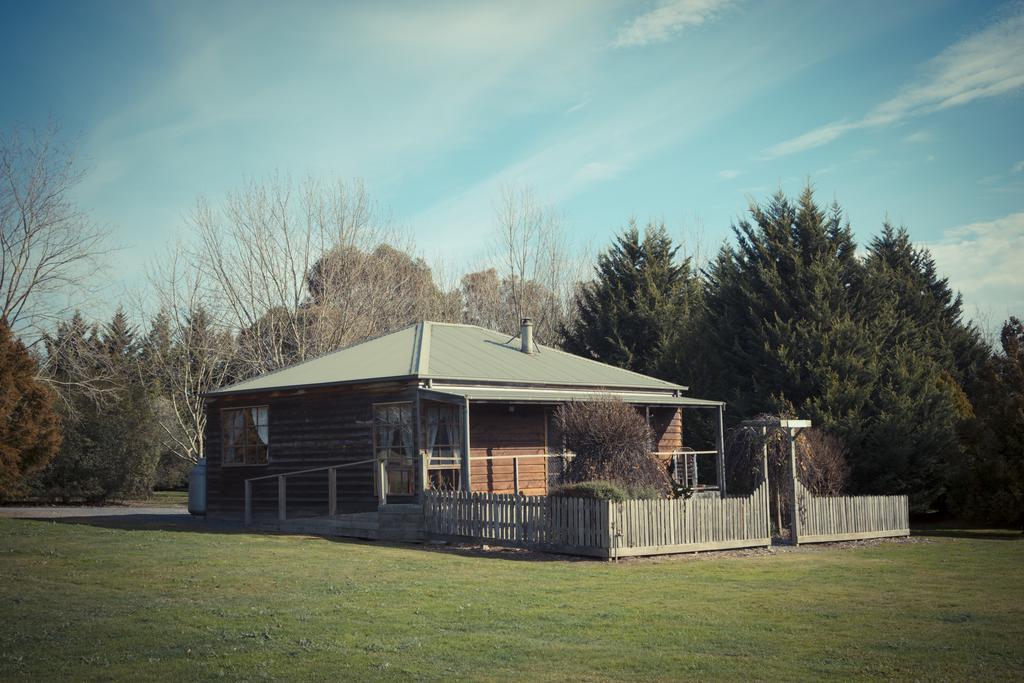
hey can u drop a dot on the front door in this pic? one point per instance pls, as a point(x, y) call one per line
point(393, 443)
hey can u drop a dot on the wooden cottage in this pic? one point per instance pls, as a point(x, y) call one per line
point(431, 406)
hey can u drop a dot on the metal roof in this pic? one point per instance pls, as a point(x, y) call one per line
point(447, 351)
point(551, 396)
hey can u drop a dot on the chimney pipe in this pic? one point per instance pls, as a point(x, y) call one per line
point(526, 335)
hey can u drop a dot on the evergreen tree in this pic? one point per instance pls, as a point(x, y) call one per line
point(637, 309)
point(910, 440)
point(991, 478)
point(903, 284)
point(29, 424)
point(781, 327)
point(874, 351)
point(111, 444)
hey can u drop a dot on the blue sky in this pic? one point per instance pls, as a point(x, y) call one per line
point(681, 110)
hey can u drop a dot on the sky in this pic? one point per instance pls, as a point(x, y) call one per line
point(678, 110)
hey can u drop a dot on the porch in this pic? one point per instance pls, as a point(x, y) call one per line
point(474, 440)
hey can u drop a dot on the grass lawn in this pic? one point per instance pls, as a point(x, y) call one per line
point(93, 603)
point(163, 498)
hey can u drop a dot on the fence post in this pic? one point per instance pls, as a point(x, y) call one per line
point(282, 502)
point(248, 503)
point(515, 474)
point(767, 487)
point(796, 485)
point(332, 492)
point(720, 439)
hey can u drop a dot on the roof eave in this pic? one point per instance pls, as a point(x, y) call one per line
point(312, 385)
point(483, 381)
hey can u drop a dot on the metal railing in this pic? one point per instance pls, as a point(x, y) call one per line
point(332, 487)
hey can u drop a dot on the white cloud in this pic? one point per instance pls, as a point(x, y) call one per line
point(596, 171)
point(809, 140)
point(985, 64)
point(728, 174)
point(666, 20)
point(1018, 167)
point(982, 260)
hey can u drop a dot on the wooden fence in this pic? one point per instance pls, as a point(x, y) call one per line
point(848, 518)
point(596, 528)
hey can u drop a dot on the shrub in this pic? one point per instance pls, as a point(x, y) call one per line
point(607, 490)
point(596, 490)
point(29, 423)
point(611, 442)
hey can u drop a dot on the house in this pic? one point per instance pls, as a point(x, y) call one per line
point(431, 406)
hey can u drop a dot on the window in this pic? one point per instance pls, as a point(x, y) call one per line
point(443, 445)
point(392, 435)
point(245, 436)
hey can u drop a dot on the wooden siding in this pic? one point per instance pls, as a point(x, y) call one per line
point(496, 432)
point(306, 429)
point(667, 425)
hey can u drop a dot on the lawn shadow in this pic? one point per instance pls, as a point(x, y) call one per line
point(190, 524)
point(971, 534)
point(146, 522)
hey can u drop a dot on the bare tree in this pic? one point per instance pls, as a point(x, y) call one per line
point(49, 249)
point(186, 354)
point(538, 274)
point(300, 270)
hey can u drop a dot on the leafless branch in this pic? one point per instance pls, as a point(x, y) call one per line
point(49, 249)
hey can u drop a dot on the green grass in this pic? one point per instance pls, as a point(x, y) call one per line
point(92, 603)
point(162, 498)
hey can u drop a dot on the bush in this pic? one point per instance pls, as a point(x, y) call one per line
point(29, 424)
point(612, 443)
point(595, 490)
point(607, 490)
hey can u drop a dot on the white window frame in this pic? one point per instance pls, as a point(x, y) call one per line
point(223, 436)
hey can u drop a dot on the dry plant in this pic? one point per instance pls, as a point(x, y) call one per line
point(820, 462)
point(610, 441)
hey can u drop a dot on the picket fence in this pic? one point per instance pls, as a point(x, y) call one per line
point(847, 518)
point(598, 528)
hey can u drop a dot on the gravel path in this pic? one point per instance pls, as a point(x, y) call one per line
point(169, 517)
point(65, 511)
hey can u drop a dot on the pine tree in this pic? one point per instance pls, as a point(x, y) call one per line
point(111, 444)
point(634, 312)
point(781, 329)
point(910, 442)
point(902, 281)
point(29, 424)
point(992, 475)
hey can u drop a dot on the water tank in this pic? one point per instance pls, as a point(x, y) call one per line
point(197, 488)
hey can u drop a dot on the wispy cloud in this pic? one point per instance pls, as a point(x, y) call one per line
point(981, 260)
point(596, 171)
point(667, 20)
point(919, 137)
point(1018, 167)
point(985, 64)
point(579, 105)
point(728, 174)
